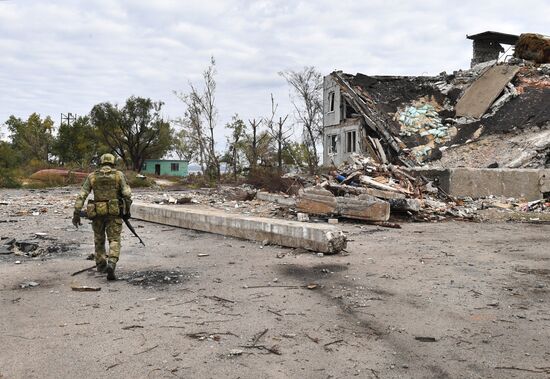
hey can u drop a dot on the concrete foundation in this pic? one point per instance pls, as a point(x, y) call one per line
point(527, 184)
point(316, 237)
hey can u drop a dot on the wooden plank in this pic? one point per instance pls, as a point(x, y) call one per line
point(479, 96)
point(373, 183)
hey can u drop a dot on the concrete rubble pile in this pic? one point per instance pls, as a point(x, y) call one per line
point(32, 206)
point(359, 189)
point(365, 190)
point(493, 114)
point(242, 200)
point(512, 132)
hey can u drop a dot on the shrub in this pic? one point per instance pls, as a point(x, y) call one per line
point(197, 180)
point(138, 182)
point(8, 178)
point(269, 179)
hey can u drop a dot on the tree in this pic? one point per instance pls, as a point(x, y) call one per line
point(183, 145)
point(78, 142)
point(135, 132)
point(264, 149)
point(9, 158)
point(191, 139)
point(235, 143)
point(295, 154)
point(252, 155)
point(32, 138)
point(200, 120)
point(278, 132)
point(307, 86)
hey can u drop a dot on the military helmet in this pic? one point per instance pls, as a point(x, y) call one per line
point(107, 159)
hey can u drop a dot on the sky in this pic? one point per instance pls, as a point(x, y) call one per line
point(60, 56)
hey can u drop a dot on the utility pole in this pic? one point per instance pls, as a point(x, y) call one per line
point(69, 117)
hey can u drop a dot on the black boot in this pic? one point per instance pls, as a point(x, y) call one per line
point(101, 266)
point(110, 270)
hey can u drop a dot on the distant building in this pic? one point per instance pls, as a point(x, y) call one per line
point(165, 167)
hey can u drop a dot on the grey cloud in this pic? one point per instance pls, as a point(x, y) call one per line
point(61, 55)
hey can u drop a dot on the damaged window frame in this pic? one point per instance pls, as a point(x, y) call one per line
point(332, 143)
point(351, 141)
point(331, 101)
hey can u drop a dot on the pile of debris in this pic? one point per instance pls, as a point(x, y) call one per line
point(241, 199)
point(417, 120)
point(359, 189)
point(365, 190)
point(40, 245)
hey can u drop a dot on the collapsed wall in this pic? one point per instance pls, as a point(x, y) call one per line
point(494, 115)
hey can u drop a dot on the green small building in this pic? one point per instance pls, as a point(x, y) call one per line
point(165, 167)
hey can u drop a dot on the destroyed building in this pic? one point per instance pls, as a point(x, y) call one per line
point(495, 114)
point(487, 46)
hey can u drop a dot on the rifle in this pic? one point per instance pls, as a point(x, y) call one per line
point(126, 220)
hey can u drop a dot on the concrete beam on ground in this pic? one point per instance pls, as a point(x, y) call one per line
point(316, 237)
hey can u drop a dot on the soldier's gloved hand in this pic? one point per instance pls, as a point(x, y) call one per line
point(76, 219)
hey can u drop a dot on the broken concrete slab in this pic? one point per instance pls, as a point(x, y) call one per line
point(363, 207)
point(338, 189)
point(528, 184)
point(479, 96)
point(316, 200)
point(316, 237)
point(381, 194)
point(5, 250)
point(405, 205)
point(276, 198)
point(26, 246)
point(320, 201)
point(238, 193)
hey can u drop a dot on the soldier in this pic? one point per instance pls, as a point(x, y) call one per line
point(112, 200)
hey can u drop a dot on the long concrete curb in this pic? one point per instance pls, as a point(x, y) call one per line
point(316, 237)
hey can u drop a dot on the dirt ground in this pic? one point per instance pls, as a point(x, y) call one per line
point(430, 300)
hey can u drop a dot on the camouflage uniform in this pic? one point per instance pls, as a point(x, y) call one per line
point(112, 197)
